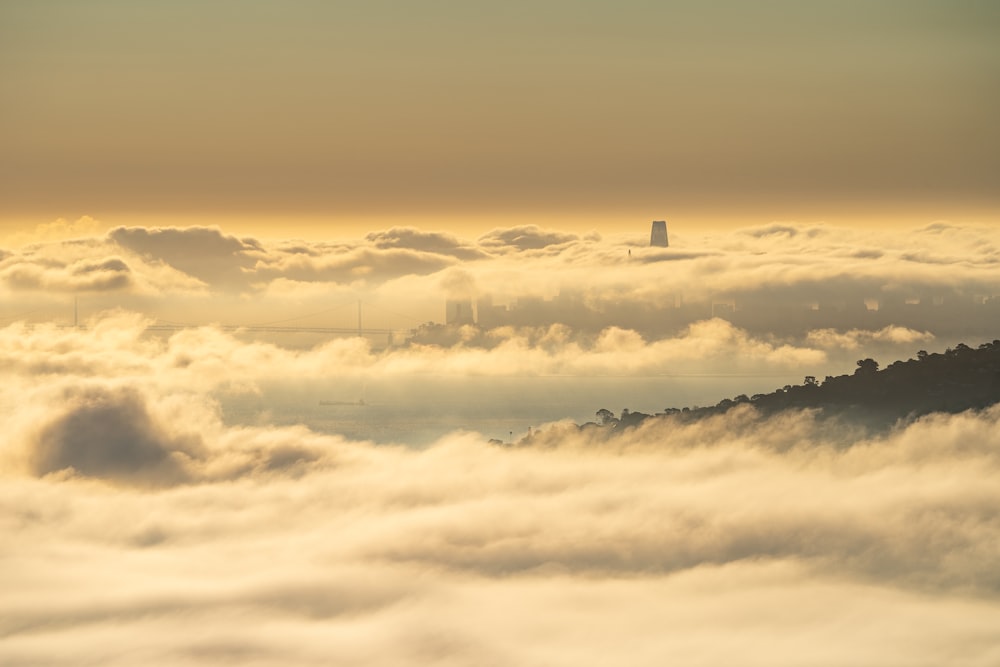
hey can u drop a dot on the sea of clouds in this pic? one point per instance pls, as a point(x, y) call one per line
point(203, 275)
point(142, 526)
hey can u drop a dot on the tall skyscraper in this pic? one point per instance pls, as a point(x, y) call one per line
point(658, 235)
point(458, 311)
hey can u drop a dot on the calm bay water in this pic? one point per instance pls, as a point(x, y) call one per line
point(421, 410)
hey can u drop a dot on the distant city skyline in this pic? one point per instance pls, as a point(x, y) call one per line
point(957, 314)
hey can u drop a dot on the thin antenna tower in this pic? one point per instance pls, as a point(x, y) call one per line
point(359, 318)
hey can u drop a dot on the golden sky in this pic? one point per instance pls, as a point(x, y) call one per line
point(338, 117)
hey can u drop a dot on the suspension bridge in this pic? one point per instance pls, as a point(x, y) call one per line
point(291, 325)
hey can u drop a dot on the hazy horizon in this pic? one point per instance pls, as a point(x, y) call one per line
point(309, 114)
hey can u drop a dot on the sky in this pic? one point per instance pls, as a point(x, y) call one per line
point(326, 119)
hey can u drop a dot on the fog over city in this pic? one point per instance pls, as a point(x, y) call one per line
point(178, 495)
point(781, 298)
point(212, 276)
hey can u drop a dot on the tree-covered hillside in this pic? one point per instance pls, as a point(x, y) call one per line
point(958, 379)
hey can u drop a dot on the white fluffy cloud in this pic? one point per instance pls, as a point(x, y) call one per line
point(856, 339)
point(720, 542)
point(207, 358)
point(144, 523)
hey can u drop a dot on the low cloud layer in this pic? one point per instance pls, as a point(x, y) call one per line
point(152, 514)
point(719, 542)
point(526, 237)
point(208, 359)
point(203, 253)
point(406, 274)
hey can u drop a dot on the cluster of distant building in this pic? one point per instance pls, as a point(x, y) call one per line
point(953, 313)
point(531, 310)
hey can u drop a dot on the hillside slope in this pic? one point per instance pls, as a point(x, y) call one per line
point(959, 379)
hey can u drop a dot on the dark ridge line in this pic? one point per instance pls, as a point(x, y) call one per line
point(959, 379)
point(956, 380)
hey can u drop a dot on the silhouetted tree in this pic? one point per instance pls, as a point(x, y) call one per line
point(867, 367)
point(960, 379)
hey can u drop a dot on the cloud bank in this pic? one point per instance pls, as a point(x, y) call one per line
point(726, 541)
point(406, 268)
point(145, 522)
point(119, 343)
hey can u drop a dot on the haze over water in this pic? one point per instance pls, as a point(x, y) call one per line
point(495, 407)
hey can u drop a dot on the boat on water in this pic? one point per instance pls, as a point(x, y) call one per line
point(360, 401)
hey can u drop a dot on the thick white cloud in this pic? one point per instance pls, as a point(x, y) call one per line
point(856, 339)
point(729, 541)
point(143, 523)
point(206, 357)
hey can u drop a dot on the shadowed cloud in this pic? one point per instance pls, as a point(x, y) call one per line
point(524, 237)
point(109, 434)
point(434, 242)
point(203, 252)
